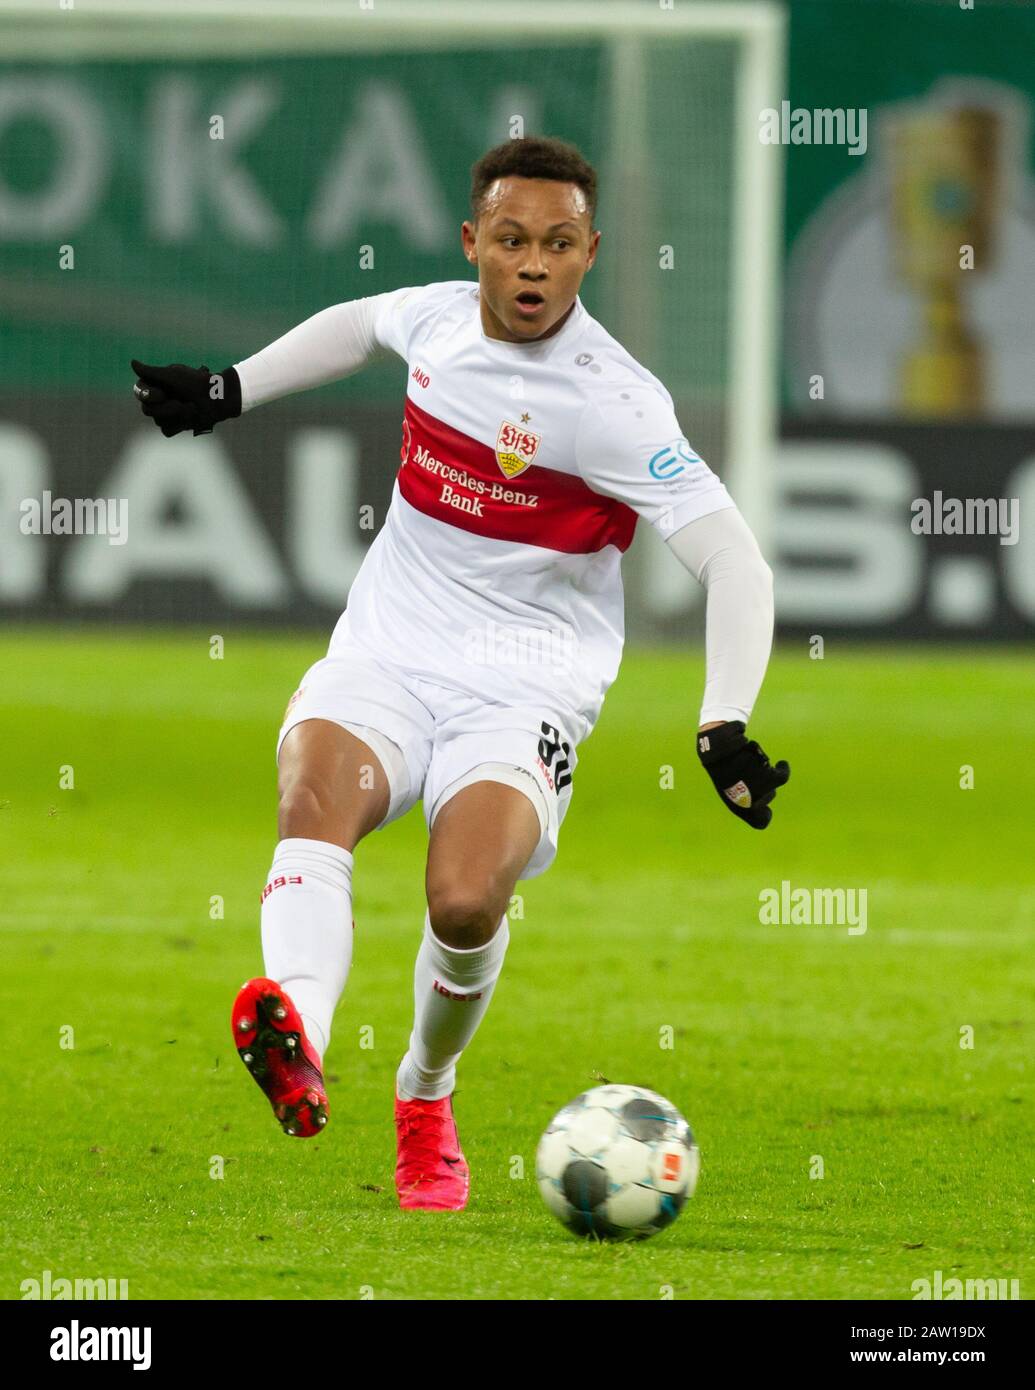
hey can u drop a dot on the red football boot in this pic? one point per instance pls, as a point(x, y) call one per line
point(431, 1172)
point(271, 1042)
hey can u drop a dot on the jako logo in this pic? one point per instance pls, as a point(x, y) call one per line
point(421, 378)
point(665, 463)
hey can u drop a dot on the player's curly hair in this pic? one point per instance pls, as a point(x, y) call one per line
point(534, 157)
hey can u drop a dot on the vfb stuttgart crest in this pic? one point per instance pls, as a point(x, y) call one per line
point(515, 448)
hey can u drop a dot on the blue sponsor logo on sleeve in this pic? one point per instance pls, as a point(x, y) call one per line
point(666, 462)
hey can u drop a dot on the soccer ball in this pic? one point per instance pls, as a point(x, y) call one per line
point(618, 1162)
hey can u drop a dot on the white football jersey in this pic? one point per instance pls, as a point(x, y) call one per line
point(523, 469)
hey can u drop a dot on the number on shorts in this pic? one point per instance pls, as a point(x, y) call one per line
point(550, 745)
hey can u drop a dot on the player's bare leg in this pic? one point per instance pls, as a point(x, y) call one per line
point(333, 791)
point(331, 785)
point(481, 841)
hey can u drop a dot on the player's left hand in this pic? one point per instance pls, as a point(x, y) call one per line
point(744, 777)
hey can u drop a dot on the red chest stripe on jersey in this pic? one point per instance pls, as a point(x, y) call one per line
point(450, 476)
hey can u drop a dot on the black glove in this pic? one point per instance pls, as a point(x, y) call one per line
point(743, 775)
point(180, 398)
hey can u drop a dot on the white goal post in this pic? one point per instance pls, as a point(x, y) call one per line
point(94, 29)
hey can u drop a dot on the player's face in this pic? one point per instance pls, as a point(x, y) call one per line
point(532, 245)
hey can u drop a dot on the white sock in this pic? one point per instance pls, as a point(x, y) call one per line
point(444, 1024)
point(307, 929)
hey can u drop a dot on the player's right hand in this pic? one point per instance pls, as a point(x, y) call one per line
point(744, 777)
point(179, 397)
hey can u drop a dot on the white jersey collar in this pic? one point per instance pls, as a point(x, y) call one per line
point(576, 321)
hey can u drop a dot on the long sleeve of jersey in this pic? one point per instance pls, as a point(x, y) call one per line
point(332, 344)
point(720, 551)
point(622, 453)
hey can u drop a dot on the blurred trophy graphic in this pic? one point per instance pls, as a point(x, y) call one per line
point(945, 183)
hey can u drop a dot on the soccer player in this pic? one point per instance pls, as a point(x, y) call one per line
point(482, 631)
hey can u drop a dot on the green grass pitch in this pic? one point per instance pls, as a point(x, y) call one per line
point(790, 1042)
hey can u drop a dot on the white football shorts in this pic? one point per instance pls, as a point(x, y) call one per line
point(432, 740)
